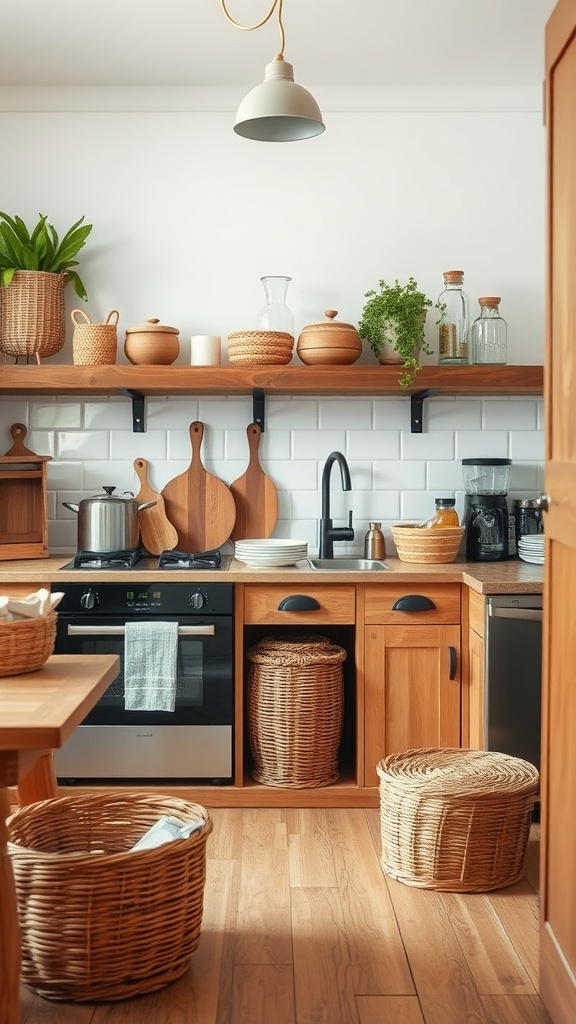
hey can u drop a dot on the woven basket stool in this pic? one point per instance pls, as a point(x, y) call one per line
point(295, 711)
point(455, 820)
point(99, 921)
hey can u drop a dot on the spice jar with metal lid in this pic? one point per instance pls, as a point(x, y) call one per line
point(528, 517)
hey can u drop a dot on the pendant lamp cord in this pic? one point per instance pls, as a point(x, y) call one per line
point(250, 28)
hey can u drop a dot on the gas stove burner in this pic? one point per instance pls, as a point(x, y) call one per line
point(107, 560)
point(189, 560)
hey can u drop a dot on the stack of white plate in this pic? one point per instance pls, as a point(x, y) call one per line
point(531, 548)
point(270, 551)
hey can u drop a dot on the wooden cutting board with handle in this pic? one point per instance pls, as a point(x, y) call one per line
point(156, 530)
point(255, 495)
point(198, 504)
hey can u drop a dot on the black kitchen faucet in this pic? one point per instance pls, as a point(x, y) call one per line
point(328, 532)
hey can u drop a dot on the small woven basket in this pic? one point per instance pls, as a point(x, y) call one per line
point(295, 711)
point(455, 820)
point(26, 644)
point(94, 344)
point(271, 347)
point(98, 920)
point(415, 544)
point(32, 314)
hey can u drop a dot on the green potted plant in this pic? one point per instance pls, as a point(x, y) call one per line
point(34, 270)
point(392, 323)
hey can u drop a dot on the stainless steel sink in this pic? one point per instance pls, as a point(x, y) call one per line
point(348, 564)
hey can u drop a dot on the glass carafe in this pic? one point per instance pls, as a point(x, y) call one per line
point(275, 315)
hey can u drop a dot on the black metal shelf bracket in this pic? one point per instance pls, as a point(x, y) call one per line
point(417, 408)
point(138, 410)
point(258, 407)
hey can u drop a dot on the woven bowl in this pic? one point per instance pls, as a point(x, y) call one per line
point(26, 644)
point(260, 347)
point(417, 544)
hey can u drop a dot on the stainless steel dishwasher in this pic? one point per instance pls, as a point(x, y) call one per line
point(513, 669)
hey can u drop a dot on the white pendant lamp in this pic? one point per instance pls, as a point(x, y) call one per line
point(277, 110)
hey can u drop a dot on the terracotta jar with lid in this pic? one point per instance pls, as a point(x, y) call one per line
point(152, 344)
point(329, 343)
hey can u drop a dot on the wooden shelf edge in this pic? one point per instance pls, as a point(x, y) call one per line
point(283, 380)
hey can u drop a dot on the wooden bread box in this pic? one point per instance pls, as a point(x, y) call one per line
point(23, 500)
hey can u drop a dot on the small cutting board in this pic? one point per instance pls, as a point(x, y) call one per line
point(255, 495)
point(199, 505)
point(156, 530)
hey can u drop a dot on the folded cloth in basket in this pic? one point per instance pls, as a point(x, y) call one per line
point(150, 654)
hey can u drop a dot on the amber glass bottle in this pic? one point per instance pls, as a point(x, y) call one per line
point(445, 515)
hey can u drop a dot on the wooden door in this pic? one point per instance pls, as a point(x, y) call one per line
point(558, 786)
point(412, 690)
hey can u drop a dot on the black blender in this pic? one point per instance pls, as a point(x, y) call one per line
point(486, 513)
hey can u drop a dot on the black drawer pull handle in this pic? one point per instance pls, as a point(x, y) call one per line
point(413, 603)
point(298, 603)
point(453, 662)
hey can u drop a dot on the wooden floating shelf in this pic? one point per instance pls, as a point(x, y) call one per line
point(281, 380)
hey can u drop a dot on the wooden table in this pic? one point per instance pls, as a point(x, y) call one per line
point(38, 712)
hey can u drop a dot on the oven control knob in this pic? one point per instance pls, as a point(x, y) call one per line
point(89, 600)
point(197, 600)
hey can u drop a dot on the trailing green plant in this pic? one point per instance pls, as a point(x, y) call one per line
point(397, 312)
point(41, 250)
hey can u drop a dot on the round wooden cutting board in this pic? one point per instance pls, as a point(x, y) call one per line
point(198, 504)
point(255, 495)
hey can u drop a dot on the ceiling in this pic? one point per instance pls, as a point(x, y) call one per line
point(329, 42)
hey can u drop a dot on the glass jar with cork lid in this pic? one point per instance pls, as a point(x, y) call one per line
point(454, 321)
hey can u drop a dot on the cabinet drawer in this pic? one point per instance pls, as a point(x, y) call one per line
point(335, 604)
point(440, 603)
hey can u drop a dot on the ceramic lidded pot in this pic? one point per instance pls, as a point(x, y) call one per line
point(152, 344)
point(329, 342)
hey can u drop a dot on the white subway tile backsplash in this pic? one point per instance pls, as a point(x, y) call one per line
point(12, 411)
point(317, 444)
point(453, 414)
point(540, 414)
point(370, 505)
point(417, 505)
point(354, 414)
point(114, 414)
point(527, 444)
point(223, 412)
point(54, 416)
point(290, 475)
point(362, 474)
point(509, 415)
point(41, 442)
point(308, 504)
point(81, 445)
point(481, 444)
point(149, 445)
point(399, 475)
point(438, 444)
point(444, 476)
point(171, 414)
point(373, 444)
point(65, 475)
point(291, 413)
point(392, 413)
point(119, 474)
point(523, 476)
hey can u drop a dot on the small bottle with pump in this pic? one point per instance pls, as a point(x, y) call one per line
point(445, 514)
point(374, 543)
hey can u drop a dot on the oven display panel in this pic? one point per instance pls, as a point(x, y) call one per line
point(143, 599)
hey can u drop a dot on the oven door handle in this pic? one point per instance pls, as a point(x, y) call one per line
point(120, 630)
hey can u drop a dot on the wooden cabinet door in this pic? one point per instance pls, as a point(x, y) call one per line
point(412, 690)
point(475, 691)
point(558, 783)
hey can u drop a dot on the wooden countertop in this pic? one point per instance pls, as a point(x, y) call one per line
point(512, 577)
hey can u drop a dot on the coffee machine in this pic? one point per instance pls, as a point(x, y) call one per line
point(486, 513)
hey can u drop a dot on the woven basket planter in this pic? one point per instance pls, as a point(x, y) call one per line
point(295, 711)
point(32, 314)
point(26, 644)
point(455, 820)
point(99, 921)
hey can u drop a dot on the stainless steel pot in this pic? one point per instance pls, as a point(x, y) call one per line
point(108, 522)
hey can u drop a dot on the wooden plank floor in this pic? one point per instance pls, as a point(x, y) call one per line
point(301, 926)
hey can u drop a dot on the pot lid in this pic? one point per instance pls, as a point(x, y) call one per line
point(110, 496)
point(152, 325)
point(330, 324)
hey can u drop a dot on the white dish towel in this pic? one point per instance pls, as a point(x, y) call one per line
point(150, 655)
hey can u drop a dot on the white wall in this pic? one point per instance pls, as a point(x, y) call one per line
point(187, 218)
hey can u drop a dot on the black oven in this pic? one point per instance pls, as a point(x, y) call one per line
point(192, 742)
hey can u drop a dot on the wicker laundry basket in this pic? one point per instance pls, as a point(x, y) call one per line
point(455, 820)
point(295, 711)
point(99, 921)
